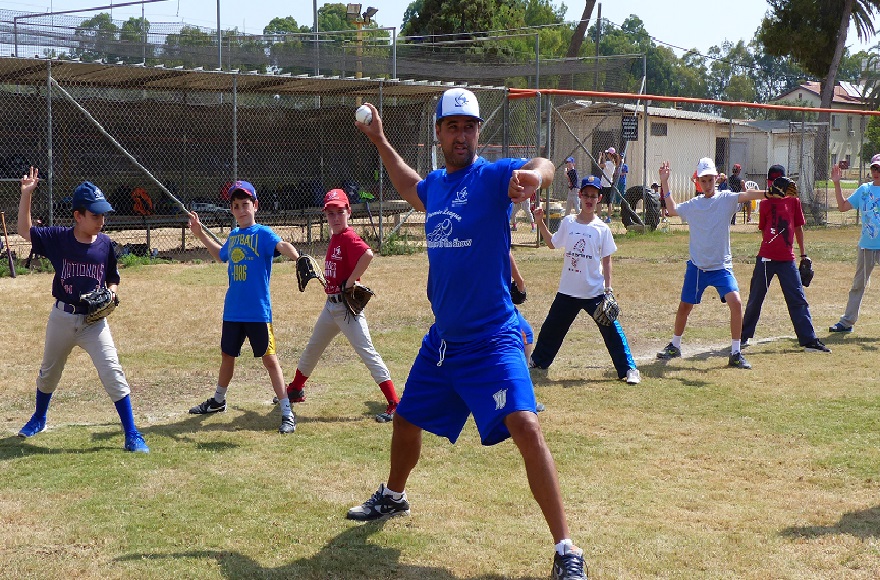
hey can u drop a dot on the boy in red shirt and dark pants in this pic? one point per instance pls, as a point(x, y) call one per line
point(781, 222)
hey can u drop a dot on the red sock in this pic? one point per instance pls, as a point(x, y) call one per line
point(298, 382)
point(389, 392)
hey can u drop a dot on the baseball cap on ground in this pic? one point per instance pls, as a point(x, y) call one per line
point(775, 171)
point(245, 187)
point(335, 198)
point(706, 167)
point(591, 181)
point(875, 160)
point(88, 195)
point(569, 159)
point(458, 102)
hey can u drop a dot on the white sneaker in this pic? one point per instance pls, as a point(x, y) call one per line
point(633, 377)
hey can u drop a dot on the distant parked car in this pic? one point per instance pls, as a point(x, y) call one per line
point(204, 208)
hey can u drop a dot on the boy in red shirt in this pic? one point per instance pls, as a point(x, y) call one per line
point(781, 221)
point(348, 257)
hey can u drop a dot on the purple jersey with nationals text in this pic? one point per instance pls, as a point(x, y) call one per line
point(79, 267)
point(468, 239)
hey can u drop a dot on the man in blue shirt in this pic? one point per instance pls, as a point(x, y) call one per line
point(471, 361)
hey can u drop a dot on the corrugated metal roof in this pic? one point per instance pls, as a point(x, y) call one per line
point(593, 107)
point(32, 71)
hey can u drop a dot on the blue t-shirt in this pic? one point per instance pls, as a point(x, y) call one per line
point(866, 199)
point(249, 252)
point(79, 267)
point(468, 239)
point(624, 171)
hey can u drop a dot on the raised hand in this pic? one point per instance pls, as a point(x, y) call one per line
point(29, 182)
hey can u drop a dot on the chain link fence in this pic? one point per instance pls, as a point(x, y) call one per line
point(142, 133)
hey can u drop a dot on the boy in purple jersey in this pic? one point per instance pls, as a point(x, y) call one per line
point(471, 361)
point(84, 260)
point(247, 310)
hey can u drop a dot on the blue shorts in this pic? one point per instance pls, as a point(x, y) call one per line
point(696, 281)
point(259, 334)
point(449, 381)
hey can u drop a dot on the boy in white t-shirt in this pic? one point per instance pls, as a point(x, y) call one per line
point(585, 280)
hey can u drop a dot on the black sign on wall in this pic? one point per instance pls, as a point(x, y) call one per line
point(629, 126)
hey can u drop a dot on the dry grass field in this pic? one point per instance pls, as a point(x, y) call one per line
point(700, 471)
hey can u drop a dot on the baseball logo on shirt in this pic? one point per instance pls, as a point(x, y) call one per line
point(460, 197)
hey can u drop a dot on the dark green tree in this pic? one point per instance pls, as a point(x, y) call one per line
point(134, 38)
point(97, 38)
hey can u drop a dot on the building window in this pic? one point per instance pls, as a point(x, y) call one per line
point(835, 126)
point(849, 123)
point(847, 160)
point(659, 129)
point(834, 159)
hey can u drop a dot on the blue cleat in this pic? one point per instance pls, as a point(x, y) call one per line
point(32, 427)
point(135, 443)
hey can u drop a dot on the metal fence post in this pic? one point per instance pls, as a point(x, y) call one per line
point(235, 127)
point(50, 160)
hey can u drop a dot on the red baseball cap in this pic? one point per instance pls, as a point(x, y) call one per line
point(336, 198)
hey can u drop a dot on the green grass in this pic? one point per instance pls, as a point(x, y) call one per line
point(699, 472)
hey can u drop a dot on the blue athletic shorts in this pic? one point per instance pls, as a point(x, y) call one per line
point(696, 281)
point(449, 381)
point(259, 334)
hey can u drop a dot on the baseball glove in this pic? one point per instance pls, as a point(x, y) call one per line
point(806, 270)
point(782, 187)
point(99, 303)
point(307, 268)
point(607, 310)
point(356, 298)
point(515, 295)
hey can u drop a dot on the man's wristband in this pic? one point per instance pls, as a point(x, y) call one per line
point(667, 194)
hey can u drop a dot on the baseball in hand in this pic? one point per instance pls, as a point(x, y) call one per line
point(364, 115)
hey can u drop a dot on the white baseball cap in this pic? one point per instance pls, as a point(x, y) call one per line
point(458, 102)
point(706, 167)
point(875, 160)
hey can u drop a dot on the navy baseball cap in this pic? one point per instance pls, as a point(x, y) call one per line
point(458, 102)
point(245, 187)
point(591, 181)
point(775, 171)
point(88, 196)
point(569, 159)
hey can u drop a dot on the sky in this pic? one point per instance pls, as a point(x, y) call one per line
point(671, 23)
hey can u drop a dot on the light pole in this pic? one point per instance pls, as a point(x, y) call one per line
point(353, 14)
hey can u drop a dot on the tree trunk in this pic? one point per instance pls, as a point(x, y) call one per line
point(577, 40)
point(827, 94)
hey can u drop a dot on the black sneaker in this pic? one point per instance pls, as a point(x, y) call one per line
point(738, 361)
point(840, 328)
point(571, 566)
point(295, 395)
point(388, 415)
point(816, 346)
point(379, 507)
point(671, 351)
point(209, 406)
point(288, 424)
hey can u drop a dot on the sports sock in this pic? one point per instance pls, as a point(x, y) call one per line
point(560, 547)
point(393, 494)
point(123, 407)
point(387, 388)
point(676, 341)
point(220, 394)
point(299, 381)
point(285, 407)
point(42, 405)
point(735, 346)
